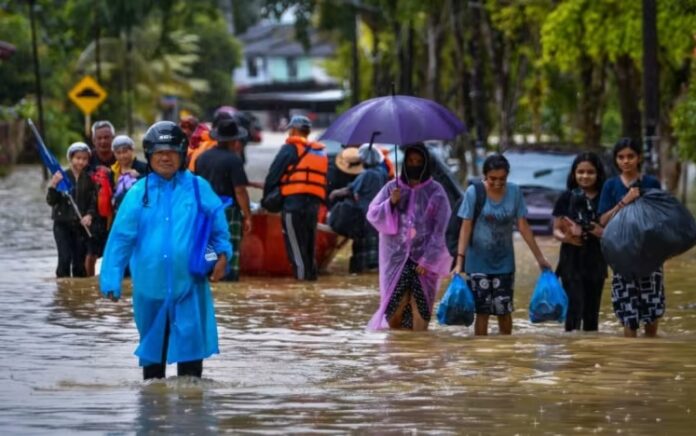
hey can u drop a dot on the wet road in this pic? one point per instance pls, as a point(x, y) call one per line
point(295, 358)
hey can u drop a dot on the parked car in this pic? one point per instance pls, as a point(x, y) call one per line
point(541, 175)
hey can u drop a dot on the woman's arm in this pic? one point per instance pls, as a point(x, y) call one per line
point(528, 236)
point(630, 197)
point(462, 244)
point(382, 213)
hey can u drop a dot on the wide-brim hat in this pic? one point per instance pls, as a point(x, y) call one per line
point(228, 130)
point(348, 161)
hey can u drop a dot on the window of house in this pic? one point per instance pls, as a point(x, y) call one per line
point(292, 68)
point(251, 67)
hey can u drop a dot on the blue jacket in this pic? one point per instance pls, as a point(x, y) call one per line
point(156, 239)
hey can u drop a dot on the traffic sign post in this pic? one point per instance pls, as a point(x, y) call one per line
point(87, 96)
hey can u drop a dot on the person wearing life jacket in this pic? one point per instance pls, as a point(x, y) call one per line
point(387, 164)
point(206, 144)
point(299, 170)
point(188, 124)
point(199, 136)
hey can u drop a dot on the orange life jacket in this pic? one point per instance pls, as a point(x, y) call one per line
point(309, 174)
point(391, 171)
point(104, 206)
point(202, 148)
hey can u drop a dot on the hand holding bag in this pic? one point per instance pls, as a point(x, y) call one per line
point(203, 256)
point(457, 306)
point(549, 301)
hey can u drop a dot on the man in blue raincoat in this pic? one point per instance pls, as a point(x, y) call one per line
point(153, 234)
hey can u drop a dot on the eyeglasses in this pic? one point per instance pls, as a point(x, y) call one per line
point(496, 179)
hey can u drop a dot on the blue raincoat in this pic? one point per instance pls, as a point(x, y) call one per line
point(157, 240)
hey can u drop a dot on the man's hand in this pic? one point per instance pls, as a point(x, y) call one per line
point(421, 270)
point(219, 269)
point(247, 226)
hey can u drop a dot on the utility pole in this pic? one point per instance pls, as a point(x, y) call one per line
point(355, 54)
point(97, 36)
point(651, 88)
point(37, 73)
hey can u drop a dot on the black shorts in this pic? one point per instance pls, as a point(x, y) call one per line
point(493, 293)
point(640, 300)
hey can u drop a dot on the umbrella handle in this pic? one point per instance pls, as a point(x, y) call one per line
point(77, 211)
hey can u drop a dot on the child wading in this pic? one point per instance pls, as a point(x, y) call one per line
point(486, 243)
point(640, 300)
point(68, 229)
point(581, 265)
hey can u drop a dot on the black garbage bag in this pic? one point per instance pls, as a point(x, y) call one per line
point(347, 219)
point(647, 232)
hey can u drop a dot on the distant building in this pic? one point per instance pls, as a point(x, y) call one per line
point(278, 78)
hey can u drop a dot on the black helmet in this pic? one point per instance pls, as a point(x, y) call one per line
point(165, 135)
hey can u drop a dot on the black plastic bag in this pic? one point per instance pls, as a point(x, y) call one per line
point(273, 201)
point(647, 232)
point(347, 219)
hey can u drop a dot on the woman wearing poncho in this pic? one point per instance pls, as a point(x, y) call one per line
point(411, 214)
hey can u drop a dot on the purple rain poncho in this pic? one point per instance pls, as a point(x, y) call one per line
point(414, 229)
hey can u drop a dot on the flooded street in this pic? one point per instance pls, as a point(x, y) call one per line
point(295, 357)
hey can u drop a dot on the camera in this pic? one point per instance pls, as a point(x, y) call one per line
point(582, 211)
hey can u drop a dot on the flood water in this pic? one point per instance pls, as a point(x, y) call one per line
point(295, 358)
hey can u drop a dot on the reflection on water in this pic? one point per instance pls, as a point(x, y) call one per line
point(295, 358)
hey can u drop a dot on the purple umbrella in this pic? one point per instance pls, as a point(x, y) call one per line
point(396, 119)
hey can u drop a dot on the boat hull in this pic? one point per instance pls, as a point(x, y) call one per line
point(263, 250)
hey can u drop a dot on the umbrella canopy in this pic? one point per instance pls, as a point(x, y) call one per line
point(396, 119)
point(50, 160)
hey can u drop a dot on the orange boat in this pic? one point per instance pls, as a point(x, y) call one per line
point(263, 250)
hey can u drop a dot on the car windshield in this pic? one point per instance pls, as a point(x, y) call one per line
point(539, 169)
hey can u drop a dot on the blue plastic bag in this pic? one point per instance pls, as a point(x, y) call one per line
point(203, 256)
point(549, 300)
point(457, 306)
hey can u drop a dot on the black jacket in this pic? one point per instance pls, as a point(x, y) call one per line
point(84, 192)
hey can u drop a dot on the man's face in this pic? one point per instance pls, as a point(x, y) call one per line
point(124, 156)
point(102, 140)
point(165, 163)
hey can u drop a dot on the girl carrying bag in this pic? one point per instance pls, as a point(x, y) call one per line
point(203, 256)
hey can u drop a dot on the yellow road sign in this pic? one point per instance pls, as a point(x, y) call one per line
point(87, 95)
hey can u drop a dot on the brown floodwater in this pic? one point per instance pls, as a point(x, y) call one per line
point(295, 358)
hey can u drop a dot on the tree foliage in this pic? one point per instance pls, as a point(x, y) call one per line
point(147, 49)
